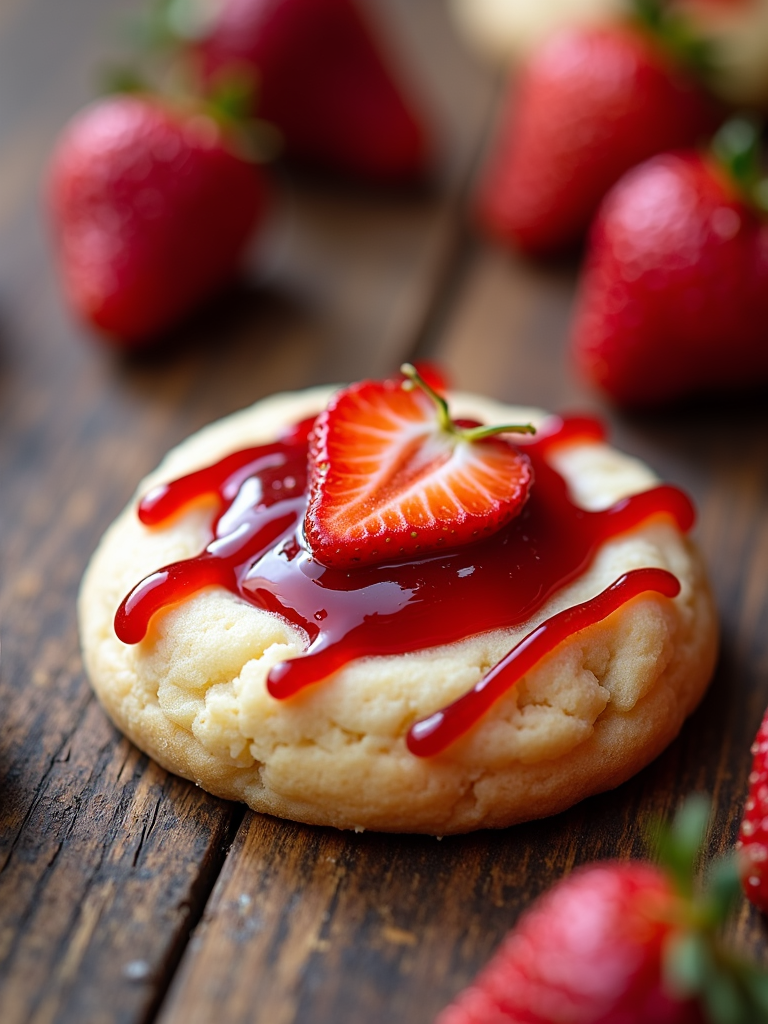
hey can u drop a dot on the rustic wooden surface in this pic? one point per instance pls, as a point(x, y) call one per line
point(127, 895)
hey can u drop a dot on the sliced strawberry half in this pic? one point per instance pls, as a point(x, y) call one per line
point(393, 477)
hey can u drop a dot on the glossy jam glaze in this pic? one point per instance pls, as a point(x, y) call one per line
point(257, 553)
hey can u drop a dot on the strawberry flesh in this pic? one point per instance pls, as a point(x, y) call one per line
point(389, 483)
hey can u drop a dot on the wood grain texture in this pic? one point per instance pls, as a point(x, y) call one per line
point(129, 896)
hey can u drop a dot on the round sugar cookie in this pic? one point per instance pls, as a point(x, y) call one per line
point(193, 695)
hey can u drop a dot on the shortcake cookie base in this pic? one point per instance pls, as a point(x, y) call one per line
point(193, 694)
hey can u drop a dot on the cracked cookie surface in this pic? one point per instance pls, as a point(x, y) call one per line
point(193, 696)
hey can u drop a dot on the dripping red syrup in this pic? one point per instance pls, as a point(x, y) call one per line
point(257, 552)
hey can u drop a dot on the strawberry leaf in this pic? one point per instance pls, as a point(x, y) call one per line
point(723, 888)
point(679, 845)
point(189, 20)
point(756, 984)
point(736, 148)
point(232, 92)
point(687, 961)
point(675, 33)
point(724, 1001)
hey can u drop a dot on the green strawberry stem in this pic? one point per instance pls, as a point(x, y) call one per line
point(736, 147)
point(444, 417)
point(729, 990)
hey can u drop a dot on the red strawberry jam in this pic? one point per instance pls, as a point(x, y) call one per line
point(257, 552)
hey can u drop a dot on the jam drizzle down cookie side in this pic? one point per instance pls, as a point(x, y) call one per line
point(259, 552)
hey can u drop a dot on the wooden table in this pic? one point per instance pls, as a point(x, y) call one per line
point(128, 895)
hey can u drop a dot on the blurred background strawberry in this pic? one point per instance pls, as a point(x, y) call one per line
point(152, 207)
point(323, 79)
point(589, 104)
point(144, 238)
point(508, 31)
point(673, 298)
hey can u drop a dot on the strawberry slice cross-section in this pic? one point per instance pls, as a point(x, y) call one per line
point(393, 477)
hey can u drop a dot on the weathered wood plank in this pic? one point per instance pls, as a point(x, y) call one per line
point(112, 863)
point(503, 334)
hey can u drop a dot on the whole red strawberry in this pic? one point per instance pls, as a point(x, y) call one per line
point(591, 103)
point(323, 80)
point(752, 843)
point(674, 294)
point(393, 477)
point(589, 952)
point(621, 943)
point(151, 209)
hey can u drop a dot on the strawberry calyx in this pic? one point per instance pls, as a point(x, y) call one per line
point(251, 139)
point(166, 69)
point(695, 963)
point(229, 98)
point(446, 423)
point(165, 24)
point(736, 149)
point(677, 37)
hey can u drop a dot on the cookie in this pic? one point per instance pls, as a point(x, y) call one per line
point(344, 751)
